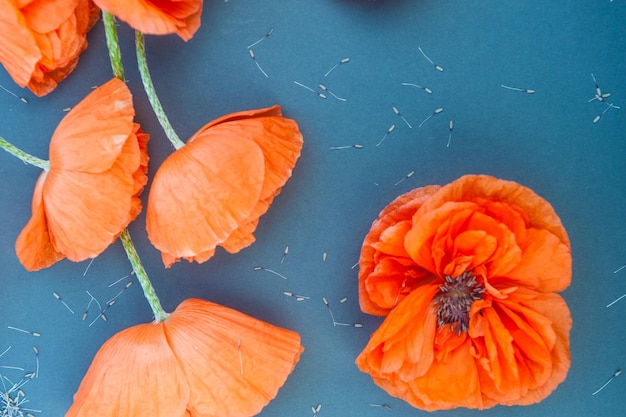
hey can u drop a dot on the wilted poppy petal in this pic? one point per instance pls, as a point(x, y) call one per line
point(135, 373)
point(280, 141)
point(402, 347)
point(419, 241)
point(235, 363)
point(45, 16)
point(213, 190)
point(91, 136)
point(33, 246)
point(86, 212)
point(450, 384)
point(215, 186)
point(19, 52)
point(97, 169)
point(540, 213)
point(160, 17)
point(202, 360)
point(392, 280)
point(399, 210)
point(242, 236)
point(546, 263)
point(549, 316)
point(95, 158)
point(41, 40)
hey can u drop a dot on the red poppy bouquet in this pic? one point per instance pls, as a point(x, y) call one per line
point(467, 277)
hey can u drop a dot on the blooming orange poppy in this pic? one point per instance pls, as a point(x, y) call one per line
point(89, 193)
point(213, 190)
point(162, 17)
point(467, 276)
point(40, 41)
point(203, 360)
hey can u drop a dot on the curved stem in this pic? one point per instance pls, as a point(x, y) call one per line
point(142, 276)
point(23, 156)
point(113, 45)
point(159, 313)
point(151, 92)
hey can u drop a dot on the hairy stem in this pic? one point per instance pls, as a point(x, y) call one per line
point(151, 92)
point(23, 156)
point(113, 45)
point(159, 313)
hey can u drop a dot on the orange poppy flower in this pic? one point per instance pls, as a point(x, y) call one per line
point(89, 194)
point(163, 17)
point(213, 190)
point(40, 41)
point(203, 360)
point(467, 276)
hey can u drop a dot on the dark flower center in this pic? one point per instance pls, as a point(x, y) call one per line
point(454, 300)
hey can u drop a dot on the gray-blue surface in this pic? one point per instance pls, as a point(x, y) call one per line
point(546, 140)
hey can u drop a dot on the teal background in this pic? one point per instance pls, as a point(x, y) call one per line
point(546, 141)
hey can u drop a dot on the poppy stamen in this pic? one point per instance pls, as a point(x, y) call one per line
point(455, 300)
point(343, 61)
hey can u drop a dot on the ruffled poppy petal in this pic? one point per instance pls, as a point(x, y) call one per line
point(469, 239)
point(19, 53)
point(234, 363)
point(201, 194)
point(91, 136)
point(450, 384)
point(391, 281)
point(140, 176)
point(522, 346)
point(33, 246)
point(61, 46)
point(402, 347)
point(280, 141)
point(546, 263)
point(160, 17)
point(90, 193)
point(506, 227)
point(540, 213)
point(420, 240)
point(45, 16)
point(43, 39)
point(518, 357)
point(242, 237)
point(401, 209)
point(87, 211)
point(135, 373)
point(227, 209)
point(549, 317)
point(279, 138)
point(432, 369)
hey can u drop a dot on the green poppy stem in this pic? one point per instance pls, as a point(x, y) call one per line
point(148, 86)
point(113, 45)
point(142, 276)
point(23, 156)
point(159, 313)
